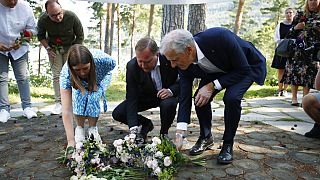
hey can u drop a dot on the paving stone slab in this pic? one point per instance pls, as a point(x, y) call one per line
point(254, 149)
point(291, 126)
point(218, 173)
point(256, 156)
point(257, 176)
point(276, 164)
point(246, 164)
point(234, 171)
point(261, 136)
point(308, 176)
point(257, 117)
point(282, 174)
point(306, 158)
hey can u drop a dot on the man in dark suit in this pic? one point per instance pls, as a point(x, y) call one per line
point(151, 82)
point(221, 60)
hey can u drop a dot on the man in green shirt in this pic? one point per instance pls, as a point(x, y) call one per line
point(58, 29)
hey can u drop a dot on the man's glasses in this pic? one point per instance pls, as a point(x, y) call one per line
point(55, 15)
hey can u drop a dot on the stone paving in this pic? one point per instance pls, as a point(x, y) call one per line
point(269, 143)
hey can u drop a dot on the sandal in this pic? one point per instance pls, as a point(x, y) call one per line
point(295, 104)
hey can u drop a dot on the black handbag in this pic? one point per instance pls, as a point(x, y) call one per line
point(285, 48)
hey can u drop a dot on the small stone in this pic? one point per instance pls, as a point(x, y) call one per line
point(55, 125)
point(151, 112)
point(295, 125)
point(292, 128)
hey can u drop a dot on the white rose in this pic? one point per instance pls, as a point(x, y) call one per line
point(126, 138)
point(78, 159)
point(79, 145)
point(74, 177)
point(132, 136)
point(154, 164)
point(157, 171)
point(119, 148)
point(159, 154)
point(167, 161)
point(156, 140)
point(149, 164)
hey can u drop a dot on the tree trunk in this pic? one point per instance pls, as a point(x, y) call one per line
point(132, 30)
point(100, 33)
point(112, 27)
point(107, 31)
point(239, 17)
point(197, 23)
point(39, 59)
point(172, 18)
point(197, 18)
point(150, 19)
point(118, 23)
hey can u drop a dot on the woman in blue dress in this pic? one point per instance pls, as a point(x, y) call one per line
point(83, 81)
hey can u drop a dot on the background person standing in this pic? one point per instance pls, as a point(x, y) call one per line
point(58, 29)
point(15, 17)
point(278, 62)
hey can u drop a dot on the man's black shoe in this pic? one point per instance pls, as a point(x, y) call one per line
point(225, 155)
point(146, 128)
point(201, 145)
point(315, 132)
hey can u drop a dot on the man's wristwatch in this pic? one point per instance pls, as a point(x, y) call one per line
point(48, 47)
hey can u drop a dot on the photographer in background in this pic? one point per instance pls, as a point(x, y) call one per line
point(311, 105)
point(301, 69)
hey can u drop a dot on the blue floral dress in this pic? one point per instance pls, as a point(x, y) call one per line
point(89, 103)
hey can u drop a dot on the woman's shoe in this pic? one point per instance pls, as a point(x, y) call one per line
point(295, 104)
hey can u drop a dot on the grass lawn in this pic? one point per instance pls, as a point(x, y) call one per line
point(117, 92)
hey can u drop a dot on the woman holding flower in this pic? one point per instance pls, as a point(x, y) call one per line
point(83, 81)
point(301, 69)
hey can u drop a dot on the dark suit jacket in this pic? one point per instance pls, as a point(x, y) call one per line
point(141, 88)
point(236, 57)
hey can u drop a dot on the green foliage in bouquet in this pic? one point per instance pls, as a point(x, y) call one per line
point(124, 159)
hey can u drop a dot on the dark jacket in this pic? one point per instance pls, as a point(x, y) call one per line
point(140, 85)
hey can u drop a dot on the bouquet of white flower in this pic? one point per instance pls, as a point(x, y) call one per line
point(161, 158)
point(125, 159)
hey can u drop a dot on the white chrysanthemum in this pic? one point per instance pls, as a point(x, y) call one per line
point(119, 148)
point(126, 138)
point(124, 158)
point(117, 142)
point(74, 177)
point(132, 136)
point(79, 145)
point(149, 164)
point(154, 164)
point(157, 171)
point(167, 161)
point(156, 140)
point(159, 154)
point(78, 158)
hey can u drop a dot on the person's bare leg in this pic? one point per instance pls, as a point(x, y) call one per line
point(306, 91)
point(280, 75)
point(294, 91)
point(311, 106)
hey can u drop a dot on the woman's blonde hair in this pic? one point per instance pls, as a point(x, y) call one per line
point(79, 54)
point(306, 8)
